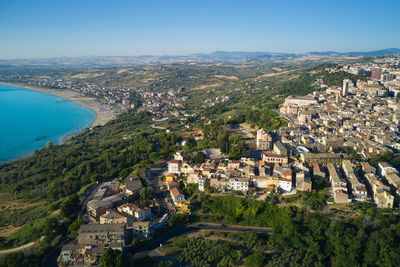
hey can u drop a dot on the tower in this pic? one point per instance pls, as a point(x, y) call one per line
point(345, 89)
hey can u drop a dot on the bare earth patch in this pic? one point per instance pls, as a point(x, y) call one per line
point(87, 75)
point(233, 78)
point(9, 230)
point(205, 86)
point(274, 74)
point(7, 202)
point(121, 71)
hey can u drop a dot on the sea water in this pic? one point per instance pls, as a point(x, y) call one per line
point(28, 119)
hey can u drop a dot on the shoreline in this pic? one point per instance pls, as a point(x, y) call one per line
point(102, 112)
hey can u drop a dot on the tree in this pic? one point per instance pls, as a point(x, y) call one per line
point(166, 264)
point(109, 258)
point(69, 206)
point(146, 193)
point(257, 259)
point(74, 227)
point(199, 158)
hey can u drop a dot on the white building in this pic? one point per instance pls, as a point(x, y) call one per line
point(384, 168)
point(202, 183)
point(239, 184)
point(174, 166)
point(285, 184)
point(177, 195)
point(178, 155)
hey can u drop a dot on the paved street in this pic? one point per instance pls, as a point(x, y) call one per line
point(150, 248)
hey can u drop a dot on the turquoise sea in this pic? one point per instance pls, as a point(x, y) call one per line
point(28, 119)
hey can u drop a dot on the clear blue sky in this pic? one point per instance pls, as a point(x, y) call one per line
point(54, 28)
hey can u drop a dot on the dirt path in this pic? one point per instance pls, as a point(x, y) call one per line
point(20, 248)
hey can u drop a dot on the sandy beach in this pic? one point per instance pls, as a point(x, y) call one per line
point(103, 112)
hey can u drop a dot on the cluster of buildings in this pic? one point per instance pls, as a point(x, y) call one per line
point(268, 170)
point(163, 103)
point(108, 95)
point(361, 181)
point(385, 71)
point(115, 220)
point(355, 119)
point(346, 119)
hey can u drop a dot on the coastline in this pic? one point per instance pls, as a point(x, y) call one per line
point(103, 113)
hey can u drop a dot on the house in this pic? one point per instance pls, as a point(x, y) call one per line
point(103, 234)
point(170, 177)
point(113, 186)
point(178, 155)
point(234, 164)
point(239, 184)
point(264, 140)
point(202, 183)
point(266, 182)
point(132, 186)
point(139, 212)
point(101, 193)
point(317, 172)
point(174, 166)
point(280, 149)
point(321, 158)
point(368, 168)
point(285, 184)
point(172, 184)
point(271, 157)
point(98, 207)
point(220, 183)
point(193, 178)
point(183, 208)
point(384, 168)
point(340, 196)
point(384, 199)
point(112, 216)
point(177, 195)
point(338, 185)
point(141, 230)
point(303, 181)
point(393, 179)
point(282, 171)
point(67, 253)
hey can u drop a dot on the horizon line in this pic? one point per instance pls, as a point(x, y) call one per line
point(198, 53)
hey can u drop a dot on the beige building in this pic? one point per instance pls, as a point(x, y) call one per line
point(321, 158)
point(140, 230)
point(112, 216)
point(264, 140)
point(303, 181)
point(113, 235)
point(271, 157)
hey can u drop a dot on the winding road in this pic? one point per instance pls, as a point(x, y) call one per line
point(151, 249)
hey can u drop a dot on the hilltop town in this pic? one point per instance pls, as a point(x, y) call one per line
point(332, 145)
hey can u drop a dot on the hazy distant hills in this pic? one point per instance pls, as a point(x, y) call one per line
point(383, 52)
point(217, 56)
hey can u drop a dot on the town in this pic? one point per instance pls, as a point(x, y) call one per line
point(329, 139)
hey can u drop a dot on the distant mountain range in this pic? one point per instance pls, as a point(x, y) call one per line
point(217, 56)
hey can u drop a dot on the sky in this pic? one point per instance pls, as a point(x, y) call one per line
point(57, 28)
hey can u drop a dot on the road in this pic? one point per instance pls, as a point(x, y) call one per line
point(153, 178)
point(150, 248)
point(85, 199)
